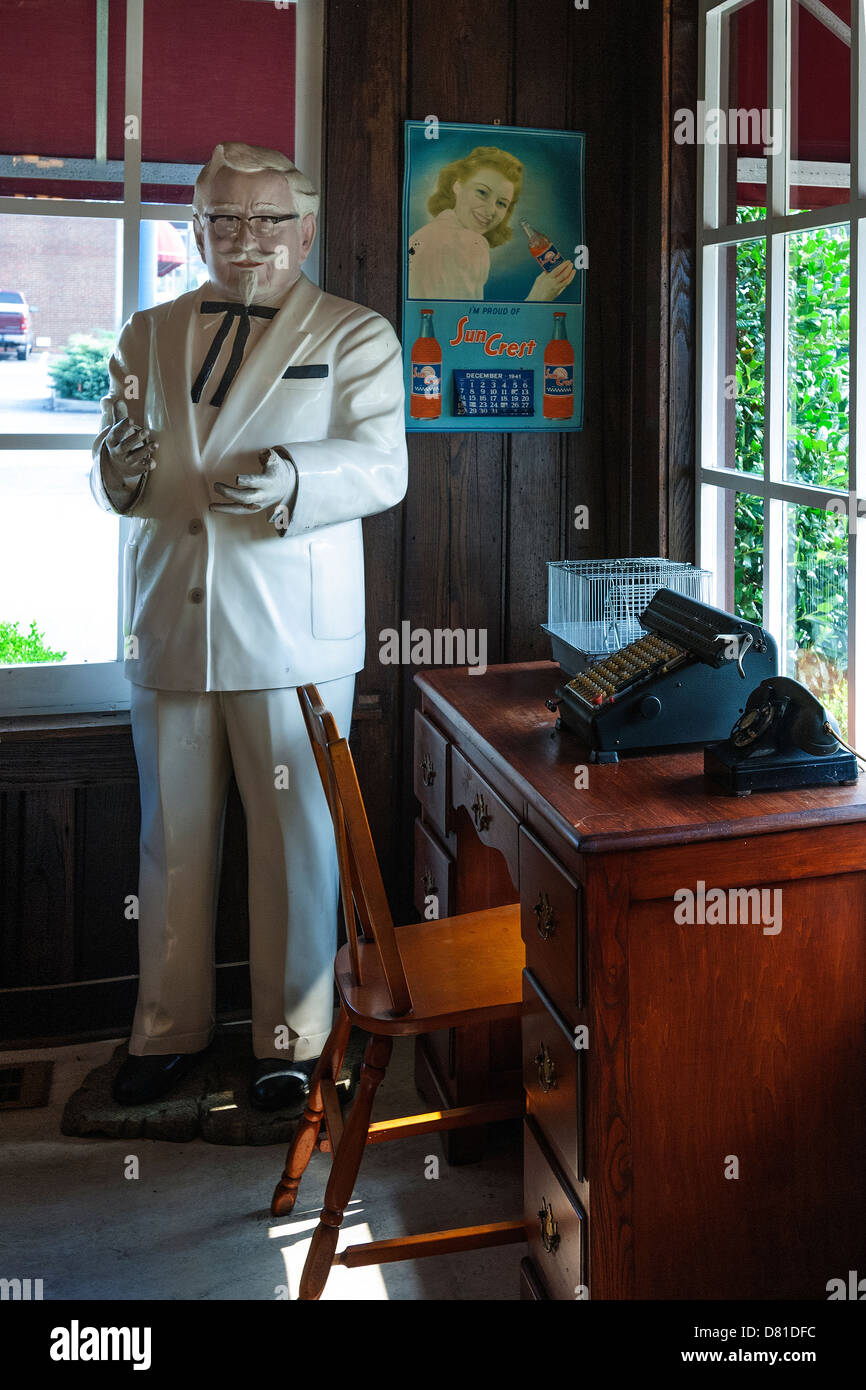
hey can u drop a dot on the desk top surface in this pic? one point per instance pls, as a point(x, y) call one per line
point(644, 800)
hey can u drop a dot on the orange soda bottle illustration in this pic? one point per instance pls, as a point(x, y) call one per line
point(542, 247)
point(558, 374)
point(425, 402)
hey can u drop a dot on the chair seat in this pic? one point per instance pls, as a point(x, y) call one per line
point(459, 970)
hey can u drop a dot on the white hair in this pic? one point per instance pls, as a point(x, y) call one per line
point(254, 159)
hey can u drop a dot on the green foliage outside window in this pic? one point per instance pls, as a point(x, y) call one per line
point(81, 373)
point(20, 648)
point(817, 428)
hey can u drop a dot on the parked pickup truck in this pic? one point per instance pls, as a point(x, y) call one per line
point(16, 330)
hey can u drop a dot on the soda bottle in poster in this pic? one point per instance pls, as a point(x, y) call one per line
point(426, 397)
point(558, 373)
point(542, 248)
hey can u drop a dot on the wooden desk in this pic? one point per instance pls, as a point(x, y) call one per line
point(713, 1049)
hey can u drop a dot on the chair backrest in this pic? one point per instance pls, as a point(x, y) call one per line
point(361, 885)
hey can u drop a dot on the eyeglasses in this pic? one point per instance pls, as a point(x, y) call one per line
point(264, 226)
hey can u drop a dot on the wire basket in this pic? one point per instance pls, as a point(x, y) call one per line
point(593, 605)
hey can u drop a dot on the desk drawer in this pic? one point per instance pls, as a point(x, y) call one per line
point(553, 1078)
point(434, 873)
point(551, 919)
point(431, 772)
point(554, 1219)
point(495, 824)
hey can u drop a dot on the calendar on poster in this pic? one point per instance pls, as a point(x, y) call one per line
point(494, 277)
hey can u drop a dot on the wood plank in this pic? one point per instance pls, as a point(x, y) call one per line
point(107, 939)
point(453, 557)
point(609, 1143)
point(365, 99)
point(39, 942)
point(438, 1121)
point(333, 1117)
point(682, 326)
point(760, 860)
point(70, 754)
point(87, 1010)
point(747, 1047)
point(380, 1252)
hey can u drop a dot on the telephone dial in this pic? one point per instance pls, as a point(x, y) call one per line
point(784, 738)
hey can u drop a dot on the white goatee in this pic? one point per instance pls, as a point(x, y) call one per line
point(248, 283)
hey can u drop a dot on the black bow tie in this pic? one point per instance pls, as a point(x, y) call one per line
point(242, 313)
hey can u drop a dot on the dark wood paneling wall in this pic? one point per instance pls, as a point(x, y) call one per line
point(484, 512)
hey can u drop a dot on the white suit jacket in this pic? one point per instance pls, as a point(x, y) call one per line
point(222, 602)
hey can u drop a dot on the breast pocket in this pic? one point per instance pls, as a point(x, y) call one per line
point(337, 585)
point(315, 372)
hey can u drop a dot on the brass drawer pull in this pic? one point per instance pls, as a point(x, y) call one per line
point(428, 770)
point(546, 922)
point(549, 1231)
point(480, 813)
point(546, 1069)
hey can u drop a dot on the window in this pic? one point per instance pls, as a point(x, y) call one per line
point(781, 300)
point(117, 105)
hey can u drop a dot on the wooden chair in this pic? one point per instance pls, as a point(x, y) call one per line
point(428, 975)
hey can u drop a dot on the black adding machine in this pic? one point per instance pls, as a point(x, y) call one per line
point(684, 681)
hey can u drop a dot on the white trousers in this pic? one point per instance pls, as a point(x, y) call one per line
point(186, 745)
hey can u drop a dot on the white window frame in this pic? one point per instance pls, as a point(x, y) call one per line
point(711, 235)
point(101, 686)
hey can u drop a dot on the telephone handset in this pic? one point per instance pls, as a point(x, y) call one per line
point(781, 715)
point(784, 738)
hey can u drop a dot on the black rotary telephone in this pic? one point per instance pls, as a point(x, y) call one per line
point(781, 715)
point(784, 738)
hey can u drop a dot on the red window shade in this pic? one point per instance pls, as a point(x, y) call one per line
point(49, 62)
point(213, 70)
point(216, 70)
point(820, 98)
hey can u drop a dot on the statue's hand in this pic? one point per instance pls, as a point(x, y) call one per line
point(255, 492)
point(130, 453)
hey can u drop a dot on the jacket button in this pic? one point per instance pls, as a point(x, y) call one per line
point(196, 595)
point(194, 527)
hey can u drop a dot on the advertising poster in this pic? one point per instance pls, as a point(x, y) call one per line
point(494, 277)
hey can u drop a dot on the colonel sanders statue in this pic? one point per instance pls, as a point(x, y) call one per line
point(249, 425)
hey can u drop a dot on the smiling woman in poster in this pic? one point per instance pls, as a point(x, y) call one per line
point(471, 207)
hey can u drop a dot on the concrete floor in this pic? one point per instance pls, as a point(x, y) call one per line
point(194, 1224)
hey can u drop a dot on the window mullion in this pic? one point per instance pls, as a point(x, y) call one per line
point(132, 154)
point(715, 62)
point(857, 389)
point(774, 616)
point(100, 142)
point(778, 86)
point(131, 222)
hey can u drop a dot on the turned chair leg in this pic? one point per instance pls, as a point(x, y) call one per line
point(347, 1161)
point(307, 1133)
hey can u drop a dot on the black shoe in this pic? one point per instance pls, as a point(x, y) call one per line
point(142, 1079)
point(277, 1085)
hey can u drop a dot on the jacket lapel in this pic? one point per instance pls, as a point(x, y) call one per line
point(262, 368)
point(173, 361)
